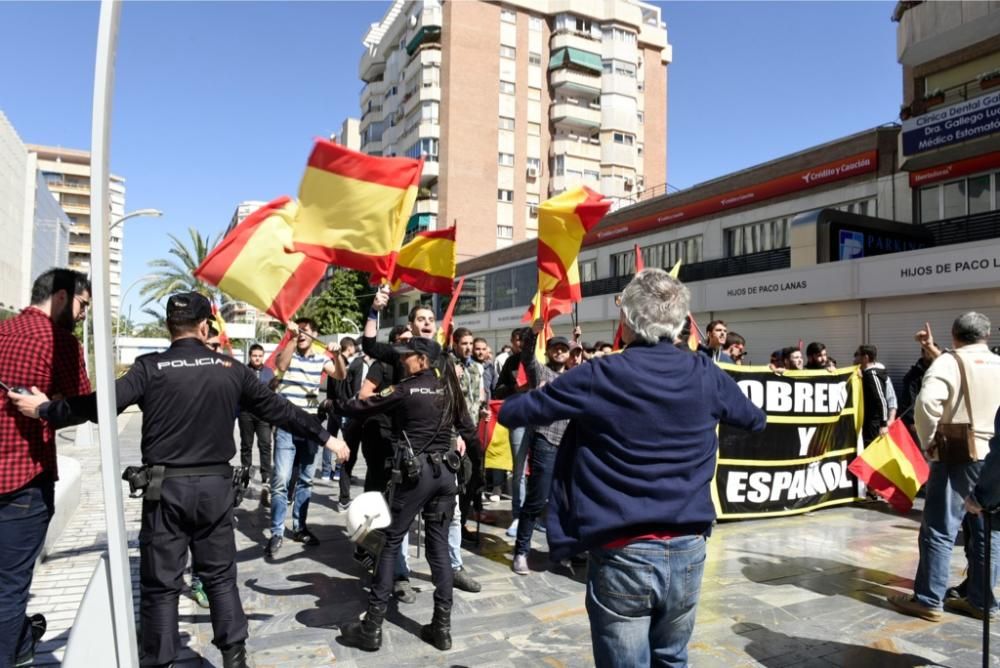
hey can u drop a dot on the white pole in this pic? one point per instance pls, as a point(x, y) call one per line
point(122, 612)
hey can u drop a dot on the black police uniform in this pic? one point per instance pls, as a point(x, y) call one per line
point(189, 398)
point(416, 406)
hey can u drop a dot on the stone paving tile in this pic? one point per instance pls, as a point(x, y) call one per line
point(786, 592)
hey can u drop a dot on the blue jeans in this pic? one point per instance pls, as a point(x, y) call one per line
point(641, 601)
point(24, 519)
point(519, 442)
point(543, 460)
point(293, 456)
point(944, 510)
point(455, 539)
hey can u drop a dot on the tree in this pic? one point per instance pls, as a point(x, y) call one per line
point(338, 307)
point(157, 329)
point(177, 274)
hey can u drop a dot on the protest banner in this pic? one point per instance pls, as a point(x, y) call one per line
point(799, 462)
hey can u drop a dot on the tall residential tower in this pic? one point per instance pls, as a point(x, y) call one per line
point(511, 103)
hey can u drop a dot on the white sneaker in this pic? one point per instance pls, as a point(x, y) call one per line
point(512, 530)
point(494, 498)
point(521, 564)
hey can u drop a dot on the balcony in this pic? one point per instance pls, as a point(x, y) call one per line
point(427, 34)
point(582, 148)
point(430, 173)
point(701, 271)
point(82, 187)
point(573, 81)
point(565, 39)
point(574, 115)
point(427, 205)
point(75, 208)
point(977, 227)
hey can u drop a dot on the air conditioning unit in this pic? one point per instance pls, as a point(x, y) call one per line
point(532, 172)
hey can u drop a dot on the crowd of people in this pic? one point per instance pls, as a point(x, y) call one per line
point(625, 492)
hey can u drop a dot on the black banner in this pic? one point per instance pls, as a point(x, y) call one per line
point(799, 462)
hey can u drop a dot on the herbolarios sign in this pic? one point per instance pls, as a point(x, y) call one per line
point(799, 462)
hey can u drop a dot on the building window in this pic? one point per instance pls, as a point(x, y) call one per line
point(619, 35)
point(506, 123)
point(506, 159)
point(640, 117)
point(930, 204)
point(588, 271)
point(404, 309)
point(534, 59)
point(534, 129)
point(505, 231)
point(507, 51)
point(954, 199)
point(535, 23)
point(507, 87)
point(862, 207)
point(979, 194)
point(591, 175)
point(532, 203)
point(426, 148)
point(968, 196)
point(508, 15)
point(757, 237)
point(622, 138)
point(664, 256)
point(429, 111)
point(505, 195)
point(559, 165)
point(534, 94)
point(534, 162)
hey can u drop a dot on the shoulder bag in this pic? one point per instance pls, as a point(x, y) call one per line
point(955, 444)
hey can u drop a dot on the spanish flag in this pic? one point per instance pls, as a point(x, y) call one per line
point(251, 264)
point(893, 467)
point(444, 331)
point(496, 439)
point(563, 221)
point(428, 262)
point(694, 334)
point(353, 208)
point(220, 325)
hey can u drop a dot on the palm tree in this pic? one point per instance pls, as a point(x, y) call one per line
point(176, 274)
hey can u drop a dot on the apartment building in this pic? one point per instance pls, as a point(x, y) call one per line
point(67, 175)
point(34, 229)
point(510, 103)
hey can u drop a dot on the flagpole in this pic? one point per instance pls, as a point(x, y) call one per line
point(120, 574)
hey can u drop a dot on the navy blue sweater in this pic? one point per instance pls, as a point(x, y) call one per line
point(639, 454)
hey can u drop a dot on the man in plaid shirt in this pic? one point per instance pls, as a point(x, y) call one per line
point(37, 349)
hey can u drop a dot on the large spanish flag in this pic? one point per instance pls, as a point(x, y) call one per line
point(563, 221)
point(251, 263)
point(353, 208)
point(427, 262)
point(496, 440)
point(893, 467)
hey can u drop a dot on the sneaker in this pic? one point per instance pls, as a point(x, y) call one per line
point(336, 476)
point(963, 607)
point(465, 582)
point(958, 591)
point(273, 547)
point(512, 530)
point(342, 506)
point(198, 593)
point(908, 606)
point(304, 536)
point(403, 591)
point(521, 564)
point(38, 626)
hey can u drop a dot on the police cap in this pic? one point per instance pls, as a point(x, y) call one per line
point(420, 346)
point(188, 306)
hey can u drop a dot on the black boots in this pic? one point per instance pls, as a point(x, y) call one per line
point(367, 633)
point(438, 632)
point(235, 656)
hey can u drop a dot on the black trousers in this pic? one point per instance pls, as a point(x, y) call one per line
point(436, 495)
point(194, 513)
point(250, 425)
point(352, 436)
point(376, 446)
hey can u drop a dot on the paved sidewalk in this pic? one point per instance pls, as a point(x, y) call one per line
point(802, 591)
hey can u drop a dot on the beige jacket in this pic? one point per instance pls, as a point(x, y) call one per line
point(940, 398)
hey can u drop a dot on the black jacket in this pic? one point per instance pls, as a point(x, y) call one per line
point(873, 388)
point(912, 381)
point(416, 407)
point(507, 380)
point(190, 397)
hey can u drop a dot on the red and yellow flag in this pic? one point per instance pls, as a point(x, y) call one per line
point(639, 266)
point(251, 263)
point(427, 262)
point(893, 467)
point(694, 334)
point(220, 325)
point(496, 440)
point(444, 331)
point(353, 208)
point(563, 221)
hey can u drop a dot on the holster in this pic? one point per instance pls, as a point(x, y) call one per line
point(144, 482)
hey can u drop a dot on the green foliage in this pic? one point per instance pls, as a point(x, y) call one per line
point(157, 329)
point(176, 274)
point(338, 309)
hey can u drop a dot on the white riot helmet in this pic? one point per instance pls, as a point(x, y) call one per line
point(367, 512)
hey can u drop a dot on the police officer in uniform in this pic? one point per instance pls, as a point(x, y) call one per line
point(189, 396)
point(425, 407)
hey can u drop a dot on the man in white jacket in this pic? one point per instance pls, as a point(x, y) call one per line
point(940, 402)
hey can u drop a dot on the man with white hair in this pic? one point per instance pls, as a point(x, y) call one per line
point(633, 474)
point(971, 371)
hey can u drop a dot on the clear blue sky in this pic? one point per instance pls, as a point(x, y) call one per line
point(219, 102)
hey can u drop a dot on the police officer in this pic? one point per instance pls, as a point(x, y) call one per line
point(425, 407)
point(189, 397)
